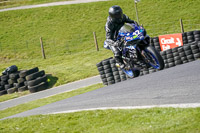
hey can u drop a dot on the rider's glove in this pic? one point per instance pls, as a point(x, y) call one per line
point(117, 43)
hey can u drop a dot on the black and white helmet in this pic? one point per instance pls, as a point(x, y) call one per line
point(116, 13)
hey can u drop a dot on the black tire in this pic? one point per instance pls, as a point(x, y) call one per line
point(197, 39)
point(2, 88)
point(185, 61)
point(39, 87)
point(3, 83)
point(190, 57)
point(109, 75)
point(172, 64)
point(163, 53)
point(114, 69)
point(188, 52)
point(106, 66)
point(110, 78)
point(112, 61)
point(184, 58)
point(196, 56)
point(116, 77)
point(23, 88)
point(101, 72)
point(170, 60)
point(166, 66)
point(11, 90)
point(28, 72)
point(195, 51)
point(190, 37)
point(18, 85)
point(175, 54)
point(182, 54)
point(35, 75)
point(190, 41)
point(116, 73)
point(4, 77)
point(109, 70)
point(103, 76)
point(21, 80)
point(157, 56)
point(178, 62)
point(111, 82)
point(106, 62)
point(186, 47)
point(169, 51)
point(196, 32)
point(100, 68)
point(3, 92)
point(99, 64)
point(14, 76)
point(37, 81)
point(189, 33)
point(193, 47)
point(12, 81)
point(177, 58)
point(8, 86)
point(175, 49)
point(180, 49)
point(169, 56)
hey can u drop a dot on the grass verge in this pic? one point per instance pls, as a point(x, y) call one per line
point(12, 96)
point(153, 120)
point(41, 102)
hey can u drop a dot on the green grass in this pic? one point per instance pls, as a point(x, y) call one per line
point(67, 33)
point(12, 96)
point(14, 3)
point(41, 102)
point(156, 120)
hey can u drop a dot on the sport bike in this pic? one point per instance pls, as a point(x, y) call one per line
point(135, 47)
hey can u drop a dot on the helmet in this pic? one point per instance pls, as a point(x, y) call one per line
point(116, 13)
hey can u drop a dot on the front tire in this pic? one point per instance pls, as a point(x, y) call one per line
point(154, 58)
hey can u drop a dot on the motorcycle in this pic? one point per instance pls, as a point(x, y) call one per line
point(136, 48)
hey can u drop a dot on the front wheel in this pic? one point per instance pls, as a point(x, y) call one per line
point(153, 58)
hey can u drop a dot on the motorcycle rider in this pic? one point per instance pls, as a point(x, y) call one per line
point(115, 21)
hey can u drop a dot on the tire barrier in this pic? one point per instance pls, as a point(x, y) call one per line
point(110, 74)
point(188, 37)
point(19, 81)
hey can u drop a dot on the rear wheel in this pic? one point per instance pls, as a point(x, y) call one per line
point(153, 58)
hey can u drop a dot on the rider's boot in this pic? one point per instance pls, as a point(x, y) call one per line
point(119, 62)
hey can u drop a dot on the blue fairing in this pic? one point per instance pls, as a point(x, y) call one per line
point(131, 32)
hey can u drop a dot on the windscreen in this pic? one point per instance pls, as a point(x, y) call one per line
point(127, 28)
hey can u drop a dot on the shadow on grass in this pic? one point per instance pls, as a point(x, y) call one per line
point(51, 80)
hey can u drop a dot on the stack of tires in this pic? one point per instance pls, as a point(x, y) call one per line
point(156, 43)
point(7, 81)
point(34, 79)
point(109, 73)
point(19, 81)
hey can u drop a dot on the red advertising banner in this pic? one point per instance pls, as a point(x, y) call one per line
point(170, 41)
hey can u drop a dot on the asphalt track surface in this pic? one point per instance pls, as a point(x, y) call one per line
point(50, 92)
point(176, 85)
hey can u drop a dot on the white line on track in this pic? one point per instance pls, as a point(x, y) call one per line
point(187, 105)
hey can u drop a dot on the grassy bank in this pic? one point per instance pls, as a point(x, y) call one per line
point(154, 120)
point(67, 33)
point(41, 102)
